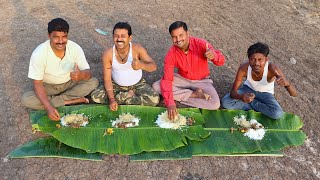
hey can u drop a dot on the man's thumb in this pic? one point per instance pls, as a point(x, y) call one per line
point(207, 46)
point(277, 73)
point(76, 67)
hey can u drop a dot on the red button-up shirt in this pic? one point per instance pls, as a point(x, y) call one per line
point(193, 65)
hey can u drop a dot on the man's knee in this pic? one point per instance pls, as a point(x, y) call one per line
point(98, 95)
point(277, 114)
point(93, 83)
point(154, 100)
point(212, 105)
point(25, 100)
point(29, 100)
point(225, 101)
point(215, 105)
point(156, 86)
point(151, 99)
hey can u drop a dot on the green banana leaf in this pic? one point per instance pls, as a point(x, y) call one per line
point(280, 133)
point(181, 153)
point(49, 147)
point(146, 137)
point(52, 148)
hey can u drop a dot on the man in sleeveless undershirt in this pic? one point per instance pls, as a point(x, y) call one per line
point(257, 91)
point(122, 71)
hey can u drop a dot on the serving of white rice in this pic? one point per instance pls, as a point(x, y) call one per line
point(253, 129)
point(74, 120)
point(125, 120)
point(163, 121)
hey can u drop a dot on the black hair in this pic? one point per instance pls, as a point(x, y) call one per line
point(58, 24)
point(123, 25)
point(258, 48)
point(177, 25)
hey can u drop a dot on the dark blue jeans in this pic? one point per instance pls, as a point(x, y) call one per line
point(263, 102)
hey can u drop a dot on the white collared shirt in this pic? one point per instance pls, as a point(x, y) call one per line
point(45, 65)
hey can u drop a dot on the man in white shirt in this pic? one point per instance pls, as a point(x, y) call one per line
point(60, 72)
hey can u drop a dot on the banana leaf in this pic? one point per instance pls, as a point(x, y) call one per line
point(52, 148)
point(145, 137)
point(280, 133)
point(181, 153)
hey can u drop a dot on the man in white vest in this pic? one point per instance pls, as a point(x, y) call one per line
point(122, 72)
point(257, 91)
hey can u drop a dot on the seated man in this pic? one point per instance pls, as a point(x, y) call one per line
point(60, 72)
point(124, 64)
point(257, 91)
point(192, 85)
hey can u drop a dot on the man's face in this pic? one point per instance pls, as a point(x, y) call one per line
point(257, 62)
point(180, 38)
point(58, 40)
point(121, 38)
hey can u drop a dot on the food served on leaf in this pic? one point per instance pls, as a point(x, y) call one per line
point(252, 129)
point(190, 121)
point(108, 131)
point(179, 121)
point(125, 120)
point(74, 120)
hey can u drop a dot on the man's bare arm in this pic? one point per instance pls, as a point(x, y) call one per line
point(40, 91)
point(86, 74)
point(145, 62)
point(237, 82)
point(107, 79)
point(246, 97)
point(281, 80)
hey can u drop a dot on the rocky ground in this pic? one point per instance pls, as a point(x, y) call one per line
point(291, 28)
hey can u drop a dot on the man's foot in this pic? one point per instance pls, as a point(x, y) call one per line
point(198, 93)
point(76, 101)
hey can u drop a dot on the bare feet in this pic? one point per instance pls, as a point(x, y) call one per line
point(198, 93)
point(76, 101)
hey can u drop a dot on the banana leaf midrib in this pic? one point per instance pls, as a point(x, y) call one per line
point(147, 127)
point(273, 130)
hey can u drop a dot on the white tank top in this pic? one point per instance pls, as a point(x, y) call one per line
point(263, 85)
point(123, 74)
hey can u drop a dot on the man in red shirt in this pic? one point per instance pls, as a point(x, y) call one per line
point(192, 85)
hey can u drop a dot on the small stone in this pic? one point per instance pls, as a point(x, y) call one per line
point(6, 159)
point(292, 60)
point(153, 26)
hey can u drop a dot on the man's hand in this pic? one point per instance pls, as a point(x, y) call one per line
point(172, 112)
point(76, 74)
point(208, 54)
point(113, 105)
point(136, 63)
point(53, 114)
point(281, 80)
point(248, 97)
